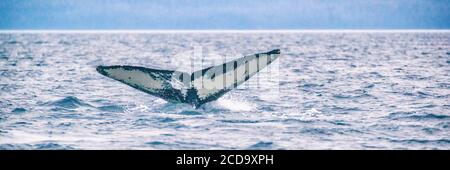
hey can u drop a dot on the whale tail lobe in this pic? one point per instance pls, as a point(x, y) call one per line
point(196, 88)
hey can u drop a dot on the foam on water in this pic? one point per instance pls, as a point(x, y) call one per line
point(235, 105)
point(338, 90)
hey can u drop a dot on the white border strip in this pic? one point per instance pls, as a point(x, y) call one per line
point(222, 31)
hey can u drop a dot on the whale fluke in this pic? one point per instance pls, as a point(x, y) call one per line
point(198, 88)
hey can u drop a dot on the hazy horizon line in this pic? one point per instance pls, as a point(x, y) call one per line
point(220, 31)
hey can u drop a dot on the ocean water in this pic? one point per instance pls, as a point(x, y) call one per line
point(337, 90)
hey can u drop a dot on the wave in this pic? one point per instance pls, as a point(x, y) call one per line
point(51, 146)
point(39, 146)
point(421, 141)
point(315, 131)
point(416, 116)
point(19, 110)
point(238, 121)
point(261, 145)
point(112, 108)
point(69, 102)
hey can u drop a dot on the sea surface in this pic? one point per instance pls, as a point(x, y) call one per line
point(327, 90)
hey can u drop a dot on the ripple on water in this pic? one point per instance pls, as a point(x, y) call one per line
point(19, 110)
point(39, 146)
point(443, 85)
point(165, 119)
point(261, 145)
point(70, 102)
point(190, 112)
point(339, 123)
point(15, 146)
point(351, 95)
point(51, 146)
point(153, 143)
point(238, 121)
point(421, 141)
point(315, 131)
point(416, 116)
point(111, 108)
point(142, 122)
point(431, 130)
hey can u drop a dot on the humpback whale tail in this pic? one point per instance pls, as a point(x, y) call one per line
point(198, 88)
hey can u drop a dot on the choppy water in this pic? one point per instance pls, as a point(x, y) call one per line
point(336, 91)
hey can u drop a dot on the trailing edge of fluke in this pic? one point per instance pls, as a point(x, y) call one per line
point(197, 88)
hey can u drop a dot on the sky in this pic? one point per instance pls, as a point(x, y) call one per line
point(224, 14)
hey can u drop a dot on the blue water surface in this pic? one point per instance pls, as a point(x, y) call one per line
point(326, 91)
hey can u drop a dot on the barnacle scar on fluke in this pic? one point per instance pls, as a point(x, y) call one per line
point(197, 88)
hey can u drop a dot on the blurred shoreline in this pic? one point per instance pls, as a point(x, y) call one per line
point(172, 31)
